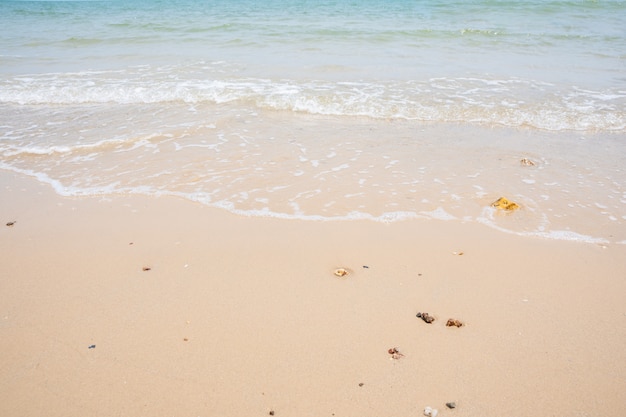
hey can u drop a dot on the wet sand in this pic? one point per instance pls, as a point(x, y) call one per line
point(137, 306)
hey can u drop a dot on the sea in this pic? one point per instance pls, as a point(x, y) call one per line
point(328, 110)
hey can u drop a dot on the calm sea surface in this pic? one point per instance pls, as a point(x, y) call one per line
point(327, 110)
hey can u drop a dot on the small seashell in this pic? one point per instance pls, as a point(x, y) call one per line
point(341, 272)
point(430, 412)
point(526, 162)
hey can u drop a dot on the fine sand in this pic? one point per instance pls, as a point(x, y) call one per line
point(137, 306)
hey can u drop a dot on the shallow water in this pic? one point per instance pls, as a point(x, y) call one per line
point(327, 110)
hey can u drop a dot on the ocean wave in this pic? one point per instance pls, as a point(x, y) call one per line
point(507, 102)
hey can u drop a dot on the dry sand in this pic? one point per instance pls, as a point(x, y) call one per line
point(242, 316)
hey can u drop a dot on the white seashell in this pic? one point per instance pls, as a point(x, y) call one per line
point(430, 412)
point(341, 272)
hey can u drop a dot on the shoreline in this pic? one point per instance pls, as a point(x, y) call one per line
point(314, 168)
point(195, 311)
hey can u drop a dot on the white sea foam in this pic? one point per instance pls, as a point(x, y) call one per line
point(340, 167)
point(461, 99)
point(64, 190)
point(487, 217)
point(12, 150)
point(439, 213)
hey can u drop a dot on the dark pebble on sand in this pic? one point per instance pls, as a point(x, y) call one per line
point(426, 317)
point(451, 405)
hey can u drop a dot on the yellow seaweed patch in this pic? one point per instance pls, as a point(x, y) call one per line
point(504, 204)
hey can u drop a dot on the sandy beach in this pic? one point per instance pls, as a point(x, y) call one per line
point(137, 306)
point(180, 181)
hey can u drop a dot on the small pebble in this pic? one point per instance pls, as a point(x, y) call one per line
point(10, 223)
point(360, 384)
point(271, 412)
point(451, 405)
point(146, 268)
point(92, 346)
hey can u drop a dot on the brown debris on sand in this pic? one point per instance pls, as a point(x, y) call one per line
point(395, 353)
point(426, 317)
point(454, 323)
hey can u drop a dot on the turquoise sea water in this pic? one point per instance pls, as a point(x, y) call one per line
point(327, 109)
point(544, 64)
